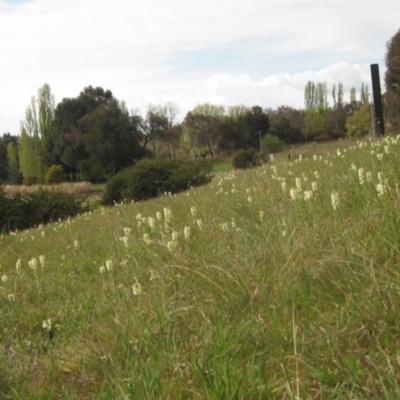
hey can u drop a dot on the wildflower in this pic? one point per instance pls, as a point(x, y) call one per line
point(261, 214)
point(368, 175)
point(4, 278)
point(314, 186)
point(151, 222)
point(284, 186)
point(338, 152)
point(146, 238)
point(11, 297)
point(315, 157)
point(386, 149)
point(46, 324)
point(102, 269)
point(247, 191)
point(127, 231)
point(249, 199)
point(379, 156)
point(171, 245)
point(174, 236)
point(76, 244)
point(380, 176)
point(18, 264)
point(43, 233)
point(380, 188)
point(187, 232)
point(137, 289)
point(158, 216)
point(353, 166)
point(361, 175)
point(167, 214)
point(294, 193)
point(284, 233)
point(200, 224)
point(298, 184)
point(224, 226)
point(334, 199)
point(153, 275)
point(233, 223)
point(109, 265)
point(125, 240)
point(33, 264)
point(42, 261)
point(308, 194)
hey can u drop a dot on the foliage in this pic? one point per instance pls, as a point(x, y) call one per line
point(360, 123)
point(243, 159)
point(111, 141)
point(55, 174)
point(392, 81)
point(41, 207)
point(151, 178)
point(36, 131)
point(70, 126)
point(14, 175)
point(272, 144)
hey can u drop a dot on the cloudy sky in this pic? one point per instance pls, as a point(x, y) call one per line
point(188, 52)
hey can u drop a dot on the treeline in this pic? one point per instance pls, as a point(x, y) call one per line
point(93, 136)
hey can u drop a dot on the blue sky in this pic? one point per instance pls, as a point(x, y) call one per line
point(220, 51)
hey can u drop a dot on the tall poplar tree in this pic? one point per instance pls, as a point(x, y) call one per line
point(35, 146)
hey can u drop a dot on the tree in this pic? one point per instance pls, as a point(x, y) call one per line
point(315, 99)
point(364, 94)
point(5, 140)
point(340, 95)
point(252, 126)
point(360, 123)
point(111, 141)
point(287, 124)
point(14, 175)
point(392, 81)
point(310, 96)
point(36, 133)
point(70, 119)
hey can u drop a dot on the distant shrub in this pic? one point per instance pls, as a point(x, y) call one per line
point(151, 178)
point(54, 174)
point(243, 159)
point(30, 180)
point(23, 211)
point(272, 144)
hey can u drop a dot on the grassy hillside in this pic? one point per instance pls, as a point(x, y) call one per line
point(276, 283)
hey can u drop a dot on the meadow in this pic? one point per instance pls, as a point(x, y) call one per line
point(281, 282)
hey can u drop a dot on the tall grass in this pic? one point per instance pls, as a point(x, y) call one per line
point(276, 283)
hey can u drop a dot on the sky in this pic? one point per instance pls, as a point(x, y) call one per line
point(228, 52)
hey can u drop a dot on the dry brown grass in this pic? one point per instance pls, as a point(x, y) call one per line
point(79, 188)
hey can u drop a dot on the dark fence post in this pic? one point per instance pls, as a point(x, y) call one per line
point(377, 96)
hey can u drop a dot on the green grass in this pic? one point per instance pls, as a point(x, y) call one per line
point(238, 291)
point(222, 166)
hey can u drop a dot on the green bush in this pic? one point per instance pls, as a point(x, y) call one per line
point(54, 174)
point(19, 211)
point(243, 159)
point(272, 144)
point(151, 178)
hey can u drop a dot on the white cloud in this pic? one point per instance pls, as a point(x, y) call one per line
point(130, 48)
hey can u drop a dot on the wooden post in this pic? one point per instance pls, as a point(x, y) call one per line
point(377, 96)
